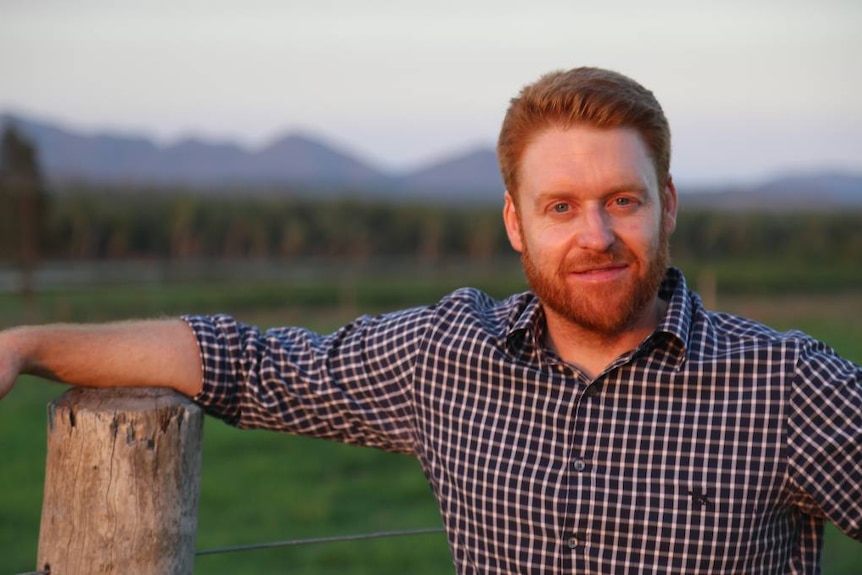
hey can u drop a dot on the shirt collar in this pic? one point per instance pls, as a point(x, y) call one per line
point(528, 326)
point(676, 324)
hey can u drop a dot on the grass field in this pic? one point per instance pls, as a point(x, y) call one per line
point(259, 486)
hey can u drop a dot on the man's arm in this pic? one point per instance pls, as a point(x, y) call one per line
point(157, 353)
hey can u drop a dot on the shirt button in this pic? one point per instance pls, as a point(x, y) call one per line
point(579, 465)
point(593, 390)
point(572, 542)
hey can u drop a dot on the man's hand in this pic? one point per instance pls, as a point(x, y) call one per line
point(11, 363)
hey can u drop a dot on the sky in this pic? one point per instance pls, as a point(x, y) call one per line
point(752, 88)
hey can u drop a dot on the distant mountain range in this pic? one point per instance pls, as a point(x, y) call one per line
point(306, 164)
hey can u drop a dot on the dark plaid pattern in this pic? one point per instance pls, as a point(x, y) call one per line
point(716, 446)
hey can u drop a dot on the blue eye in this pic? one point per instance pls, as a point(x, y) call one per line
point(626, 203)
point(561, 208)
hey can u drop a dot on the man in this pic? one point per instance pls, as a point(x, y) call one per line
point(604, 422)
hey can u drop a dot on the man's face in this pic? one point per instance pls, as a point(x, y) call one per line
point(592, 226)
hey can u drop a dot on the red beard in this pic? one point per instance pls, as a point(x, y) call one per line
point(600, 311)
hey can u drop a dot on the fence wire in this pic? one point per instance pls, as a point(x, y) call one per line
point(317, 540)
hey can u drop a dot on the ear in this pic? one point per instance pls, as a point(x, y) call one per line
point(670, 205)
point(513, 223)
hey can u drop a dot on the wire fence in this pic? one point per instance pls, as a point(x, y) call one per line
point(295, 543)
point(319, 540)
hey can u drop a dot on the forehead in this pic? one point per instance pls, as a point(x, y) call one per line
point(587, 157)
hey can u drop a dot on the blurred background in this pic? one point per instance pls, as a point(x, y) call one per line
point(304, 162)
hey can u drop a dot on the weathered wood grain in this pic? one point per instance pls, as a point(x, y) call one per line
point(122, 481)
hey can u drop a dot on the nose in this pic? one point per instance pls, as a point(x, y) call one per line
point(595, 231)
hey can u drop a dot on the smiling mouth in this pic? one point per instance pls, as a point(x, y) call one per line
point(599, 273)
point(609, 268)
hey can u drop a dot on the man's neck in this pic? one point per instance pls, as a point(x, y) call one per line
point(592, 351)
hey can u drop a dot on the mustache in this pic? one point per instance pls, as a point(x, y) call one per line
point(611, 258)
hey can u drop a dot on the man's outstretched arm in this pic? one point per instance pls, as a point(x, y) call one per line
point(154, 353)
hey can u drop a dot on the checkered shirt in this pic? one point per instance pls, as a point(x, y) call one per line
point(717, 446)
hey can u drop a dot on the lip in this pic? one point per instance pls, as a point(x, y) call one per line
point(600, 273)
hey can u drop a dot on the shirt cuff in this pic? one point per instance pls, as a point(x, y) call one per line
point(214, 334)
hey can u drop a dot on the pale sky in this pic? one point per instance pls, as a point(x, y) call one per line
point(751, 87)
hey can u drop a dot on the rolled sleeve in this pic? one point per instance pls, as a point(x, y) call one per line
point(353, 385)
point(218, 340)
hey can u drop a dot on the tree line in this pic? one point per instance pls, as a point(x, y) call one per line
point(100, 223)
point(89, 222)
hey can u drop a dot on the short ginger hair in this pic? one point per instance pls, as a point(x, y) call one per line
point(582, 96)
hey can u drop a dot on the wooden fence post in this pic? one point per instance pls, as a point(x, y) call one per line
point(122, 480)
